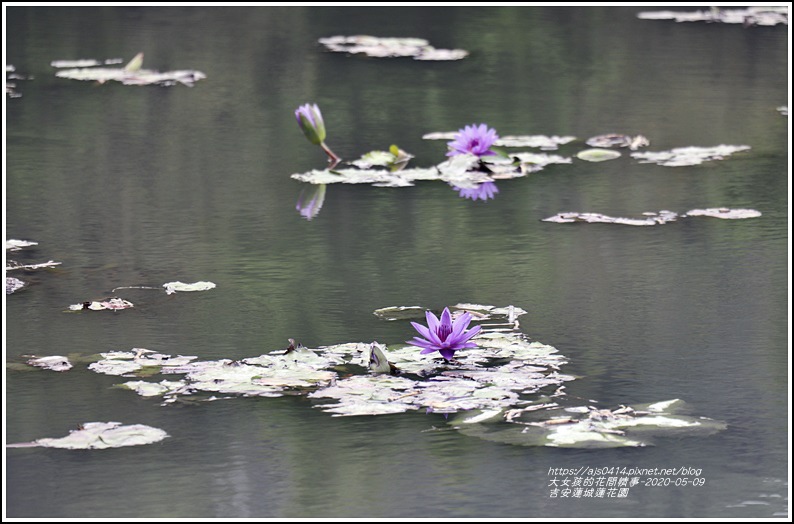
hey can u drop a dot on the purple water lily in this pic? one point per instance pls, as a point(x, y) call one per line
point(484, 191)
point(445, 336)
point(310, 120)
point(473, 139)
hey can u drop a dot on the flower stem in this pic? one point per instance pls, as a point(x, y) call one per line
point(332, 158)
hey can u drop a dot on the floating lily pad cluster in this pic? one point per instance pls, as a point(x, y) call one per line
point(130, 74)
point(14, 284)
point(653, 218)
point(384, 47)
point(762, 16)
point(116, 303)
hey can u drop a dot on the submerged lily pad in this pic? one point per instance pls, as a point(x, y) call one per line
point(53, 363)
point(597, 155)
point(379, 47)
point(100, 435)
point(133, 74)
point(173, 287)
point(763, 16)
point(688, 156)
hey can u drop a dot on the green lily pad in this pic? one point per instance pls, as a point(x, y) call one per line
point(132, 362)
point(378, 47)
point(597, 155)
point(688, 156)
point(100, 435)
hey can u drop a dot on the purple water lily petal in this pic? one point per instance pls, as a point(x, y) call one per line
point(476, 140)
point(444, 335)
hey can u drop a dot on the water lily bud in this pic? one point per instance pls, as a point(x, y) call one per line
point(311, 122)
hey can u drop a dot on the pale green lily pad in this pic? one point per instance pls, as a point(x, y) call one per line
point(395, 159)
point(724, 212)
point(548, 424)
point(618, 140)
point(152, 389)
point(761, 16)
point(377, 47)
point(13, 285)
point(651, 218)
point(112, 303)
point(173, 287)
point(53, 363)
point(100, 435)
point(597, 155)
point(133, 74)
point(688, 156)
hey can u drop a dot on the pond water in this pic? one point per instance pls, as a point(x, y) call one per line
point(143, 185)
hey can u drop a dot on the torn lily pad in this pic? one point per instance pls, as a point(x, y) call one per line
point(379, 47)
point(53, 363)
point(757, 15)
point(724, 212)
point(688, 156)
point(651, 218)
point(133, 74)
point(173, 287)
point(618, 140)
point(597, 155)
point(113, 303)
point(100, 435)
point(550, 424)
point(13, 285)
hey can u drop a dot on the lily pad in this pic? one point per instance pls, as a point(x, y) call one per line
point(16, 245)
point(12, 265)
point(100, 435)
point(763, 16)
point(549, 424)
point(783, 110)
point(688, 156)
point(113, 303)
point(53, 363)
point(379, 47)
point(395, 159)
point(618, 140)
point(173, 287)
point(133, 74)
point(128, 362)
point(85, 62)
point(13, 285)
point(597, 155)
point(651, 218)
point(724, 212)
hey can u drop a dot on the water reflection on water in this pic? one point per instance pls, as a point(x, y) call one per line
point(135, 185)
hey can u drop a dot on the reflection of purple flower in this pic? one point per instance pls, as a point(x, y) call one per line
point(483, 191)
point(443, 335)
point(476, 140)
point(309, 209)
